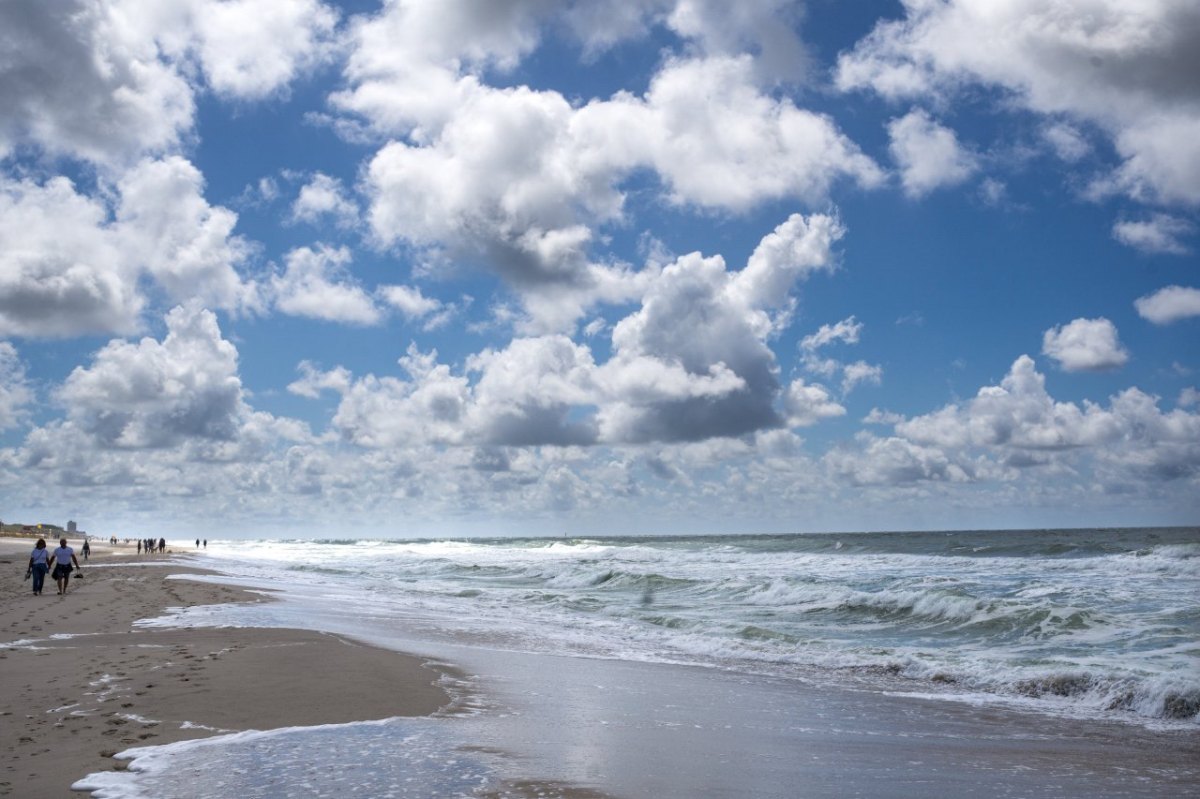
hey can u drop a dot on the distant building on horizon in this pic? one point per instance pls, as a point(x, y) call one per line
point(71, 527)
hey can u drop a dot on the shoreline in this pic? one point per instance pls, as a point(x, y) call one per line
point(101, 685)
point(550, 724)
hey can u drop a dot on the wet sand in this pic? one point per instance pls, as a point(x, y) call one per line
point(101, 685)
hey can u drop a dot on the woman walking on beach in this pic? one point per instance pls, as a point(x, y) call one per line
point(64, 556)
point(39, 564)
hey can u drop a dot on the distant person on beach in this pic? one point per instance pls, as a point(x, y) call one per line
point(39, 564)
point(162, 545)
point(64, 556)
point(206, 543)
point(197, 543)
point(87, 549)
point(139, 546)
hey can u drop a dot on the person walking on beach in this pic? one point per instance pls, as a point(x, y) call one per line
point(64, 556)
point(39, 564)
point(162, 545)
point(87, 549)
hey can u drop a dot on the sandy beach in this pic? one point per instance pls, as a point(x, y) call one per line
point(100, 685)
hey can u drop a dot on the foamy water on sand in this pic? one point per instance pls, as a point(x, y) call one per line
point(1076, 626)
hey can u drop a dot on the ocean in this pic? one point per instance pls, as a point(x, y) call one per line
point(1091, 626)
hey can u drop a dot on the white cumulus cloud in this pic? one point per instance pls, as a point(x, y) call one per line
point(522, 182)
point(114, 81)
point(157, 394)
point(324, 196)
point(1169, 304)
point(928, 154)
point(1085, 345)
point(317, 284)
point(1123, 68)
point(73, 264)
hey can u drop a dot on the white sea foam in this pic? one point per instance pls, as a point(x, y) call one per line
point(391, 758)
point(1104, 623)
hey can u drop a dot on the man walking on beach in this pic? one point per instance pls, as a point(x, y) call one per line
point(63, 557)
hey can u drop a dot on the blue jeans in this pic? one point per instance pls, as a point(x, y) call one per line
point(39, 576)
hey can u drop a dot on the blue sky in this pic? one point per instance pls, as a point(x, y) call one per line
point(287, 267)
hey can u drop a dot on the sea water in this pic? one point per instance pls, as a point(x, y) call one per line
point(1088, 624)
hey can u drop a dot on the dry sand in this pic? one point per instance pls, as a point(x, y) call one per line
point(69, 704)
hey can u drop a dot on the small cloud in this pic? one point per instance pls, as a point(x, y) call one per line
point(268, 189)
point(1085, 345)
point(317, 284)
point(860, 372)
point(1169, 304)
point(1189, 397)
point(1066, 141)
point(415, 306)
point(928, 154)
point(846, 331)
point(994, 192)
point(877, 416)
point(313, 381)
point(409, 301)
point(1161, 233)
point(808, 404)
point(324, 196)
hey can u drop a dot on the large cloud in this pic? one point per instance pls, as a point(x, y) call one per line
point(386, 412)
point(520, 181)
point(76, 82)
point(526, 392)
point(187, 245)
point(1019, 424)
point(1127, 68)
point(109, 81)
point(70, 264)
point(1015, 441)
point(250, 49)
point(714, 324)
point(62, 269)
point(892, 461)
point(158, 394)
point(690, 364)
